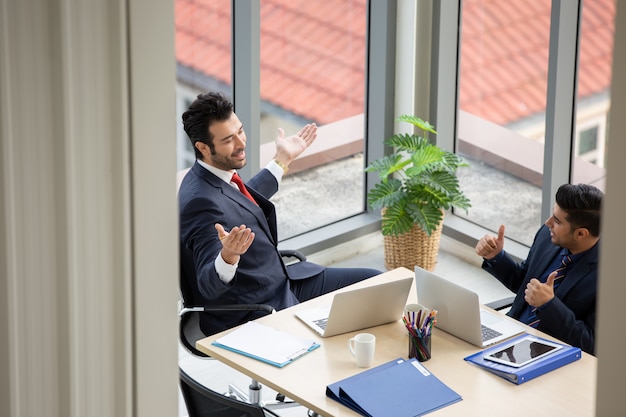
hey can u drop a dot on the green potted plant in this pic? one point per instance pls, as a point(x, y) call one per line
point(418, 183)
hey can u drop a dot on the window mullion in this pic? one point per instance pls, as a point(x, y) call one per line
point(561, 99)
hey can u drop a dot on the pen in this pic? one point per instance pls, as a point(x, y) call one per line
point(409, 327)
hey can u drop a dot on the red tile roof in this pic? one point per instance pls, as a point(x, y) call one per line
point(313, 54)
point(505, 51)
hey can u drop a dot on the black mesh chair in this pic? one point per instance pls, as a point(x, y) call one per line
point(204, 402)
point(191, 309)
point(190, 331)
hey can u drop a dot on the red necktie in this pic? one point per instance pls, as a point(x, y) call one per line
point(237, 180)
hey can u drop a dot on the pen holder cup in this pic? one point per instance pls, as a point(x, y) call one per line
point(420, 348)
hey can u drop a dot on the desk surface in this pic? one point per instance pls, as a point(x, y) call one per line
point(569, 390)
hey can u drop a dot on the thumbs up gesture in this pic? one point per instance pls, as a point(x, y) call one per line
point(538, 293)
point(489, 246)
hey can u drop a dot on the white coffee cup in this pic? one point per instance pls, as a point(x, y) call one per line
point(413, 308)
point(362, 347)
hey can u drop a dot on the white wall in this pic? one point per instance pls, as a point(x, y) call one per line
point(88, 225)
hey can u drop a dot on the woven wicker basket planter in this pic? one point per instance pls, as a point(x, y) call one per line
point(412, 248)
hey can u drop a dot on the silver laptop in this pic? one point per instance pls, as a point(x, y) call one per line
point(359, 309)
point(459, 311)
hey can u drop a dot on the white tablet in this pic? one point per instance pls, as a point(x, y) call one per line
point(523, 351)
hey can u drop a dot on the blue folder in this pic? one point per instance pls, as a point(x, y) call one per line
point(400, 388)
point(333, 390)
point(567, 354)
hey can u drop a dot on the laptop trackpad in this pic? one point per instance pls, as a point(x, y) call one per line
point(488, 319)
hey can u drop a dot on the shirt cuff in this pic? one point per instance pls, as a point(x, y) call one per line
point(225, 271)
point(276, 170)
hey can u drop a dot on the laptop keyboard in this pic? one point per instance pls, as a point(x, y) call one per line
point(321, 322)
point(488, 333)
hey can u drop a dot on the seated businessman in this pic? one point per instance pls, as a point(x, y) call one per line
point(556, 285)
point(228, 233)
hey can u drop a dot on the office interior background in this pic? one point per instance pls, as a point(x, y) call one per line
point(91, 99)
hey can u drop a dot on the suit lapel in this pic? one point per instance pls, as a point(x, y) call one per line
point(262, 212)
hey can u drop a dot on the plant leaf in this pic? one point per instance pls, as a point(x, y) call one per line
point(385, 194)
point(425, 216)
point(386, 165)
point(408, 143)
point(425, 159)
point(453, 160)
point(416, 121)
point(396, 221)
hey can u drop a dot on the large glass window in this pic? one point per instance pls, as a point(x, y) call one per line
point(593, 99)
point(203, 59)
point(502, 104)
point(531, 104)
point(312, 69)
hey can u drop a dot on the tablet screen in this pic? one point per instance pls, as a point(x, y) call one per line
point(523, 351)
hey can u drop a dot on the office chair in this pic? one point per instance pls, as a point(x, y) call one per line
point(204, 402)
point(190, 332)
point(189, 315)
point(502, 303)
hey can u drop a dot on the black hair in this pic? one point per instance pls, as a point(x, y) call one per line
point(583, 205)
point(206, 109)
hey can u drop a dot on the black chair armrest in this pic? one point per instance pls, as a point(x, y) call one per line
point(501, 303)
point(189, 326)
point(289, 253)
point(228, 307)
point(240, 307)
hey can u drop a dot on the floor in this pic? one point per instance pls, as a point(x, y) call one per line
point(456, 262)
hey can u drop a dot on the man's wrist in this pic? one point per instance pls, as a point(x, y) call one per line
point(230, 260)
point(495, 259)
point(282, 165)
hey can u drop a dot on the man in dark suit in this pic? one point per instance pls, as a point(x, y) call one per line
point(557, 283)
point(229, 240)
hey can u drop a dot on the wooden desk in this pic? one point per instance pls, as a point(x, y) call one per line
point(569, 390)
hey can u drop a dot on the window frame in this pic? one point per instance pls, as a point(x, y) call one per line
point(560, 110)
point(381, 81)
point(379, 108)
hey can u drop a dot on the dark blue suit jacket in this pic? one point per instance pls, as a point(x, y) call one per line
point(261, 277)
point(571, 315)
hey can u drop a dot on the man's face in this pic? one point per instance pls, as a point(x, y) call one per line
point(229, 142)
point(561, 233)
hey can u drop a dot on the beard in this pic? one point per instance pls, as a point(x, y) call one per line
point(228, 162)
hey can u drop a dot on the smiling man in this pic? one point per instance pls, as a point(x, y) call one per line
point(557, 283)
point(228, 236)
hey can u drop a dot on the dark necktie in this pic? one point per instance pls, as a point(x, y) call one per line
point(533, 320)
point(239, 182)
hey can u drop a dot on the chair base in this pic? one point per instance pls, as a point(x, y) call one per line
point(254, 397)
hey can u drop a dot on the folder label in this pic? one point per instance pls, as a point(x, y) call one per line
point(420, 368)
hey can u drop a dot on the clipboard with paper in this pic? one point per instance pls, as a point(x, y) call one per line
point(266, 344)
